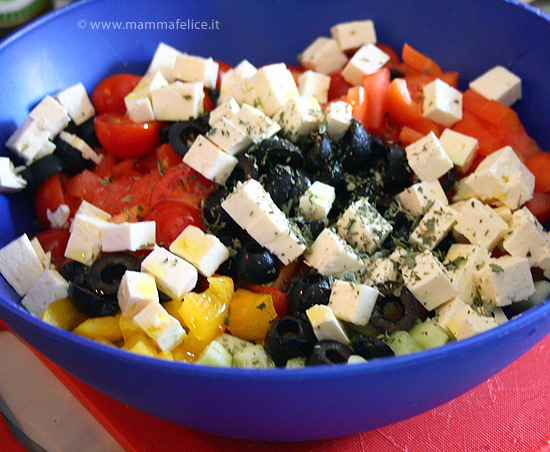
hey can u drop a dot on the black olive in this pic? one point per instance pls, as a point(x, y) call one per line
point(332, 174)
point(214, 95)
point(278, 151)
point(216, 217)
point(86, 131)
point(105, 273)
point(443, 246)
point(395, 308)
point(396, 73)
point(318, 151)
point(398, 172)
point(257, 264)
point(329, 352)
point(285, 183)
point(370, 347)
point(289, 337)
point(72, 159)
point(307, 291)
point(182, 134)
point(75, 272)
point(357, 148)
point(448, 180)
point(371, 189)
point(90, 302)
point(41, 170)
point(310, 229)
point(246, 168)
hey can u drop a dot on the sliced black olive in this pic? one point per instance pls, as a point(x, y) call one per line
point(284, 184)
point(329, 352)
point(75, 272)
point(105, 273)
point(395, 308)
point(289, 337)
point(257, 264)
point(90, 302)
point(41, 170)
point(73, 160)
point(217, 218)
point(398, 172)
point(182, 134)
point(332, 174)
point(357, 148)
point(307, 291)
point(86, 131)
point(318, 152)
point(448, 180)
point(370, 347)
point(278, 151)
point(246, 168)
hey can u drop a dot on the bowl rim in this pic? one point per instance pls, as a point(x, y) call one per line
point(520, 321)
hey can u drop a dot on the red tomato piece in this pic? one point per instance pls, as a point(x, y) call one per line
point(108, 96)
point(376, 88)
point(394, 56)
point(85, 185)
point(539, 206)
point(278, 297)
point(49, 196)
point(358, 101)
point(166, 157)
point(539, 165)
point(55, 241)
point(486, 134)
point(171, 218)
point(182, 183)
point(418, 61)
point(125, 139)
point(338, 86)
point(408, 136)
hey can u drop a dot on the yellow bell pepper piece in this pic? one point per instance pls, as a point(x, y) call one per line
point(63, 314)
point(251, 315)
point(107, 327)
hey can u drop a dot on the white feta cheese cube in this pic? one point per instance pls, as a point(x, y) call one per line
point(234, 77)
point(20, 265)
point(139, 107)
point(505, 280)
point(248, 202)
point(49, 287)
point(174, 276)
point(30, 142)
point(502, 176)
point(163, 60)
point(92, 211)
point(480, 224)
point(460, 148)
point(314, 84)
point(354, 34)
point(338, 117)
point(331, 255)
point(59, 218)
point(204, 251)
point(378, 270)
point(136, 290)
point(504, 212)
point(228, 137)
point(317, 200)
point(189, 68)
point(526, 237)
point(274, 86)
point(10, 180)
point(447, 311)
point(367, 60)
point(325, 324)
point(80, 145)
point(352, 302)
point(462, 261)
point(467, 322)
point(209, 160)
point(50, 116)
point(428, 280)
point(323, 55)
point(299, 116)
point(225, 110)
point(418, 197)
point(442, 103)
point(363, 227)
point(254, 123)
point(128, 236)
point(77, 103)
point(160, 326)
point(84, 242)
point(178, 101)
point(434, 226)
point(427, 158)
point(498, 84)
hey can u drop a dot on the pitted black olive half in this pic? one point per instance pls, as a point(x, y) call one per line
point(278, 151)
point(257, 264)
point(395, 308)
point(105, 273)
point(90, 302)
point(329, 352)
point(357, 150)
point(182, 134)
point(289, 337)
point(310, 290)
point(370, 347)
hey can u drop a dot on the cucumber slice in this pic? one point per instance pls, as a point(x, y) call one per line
point(296, 363)
point(253, 357)
point(428, 334)
point(215, 354)
point(232, 344)
point(402, 343)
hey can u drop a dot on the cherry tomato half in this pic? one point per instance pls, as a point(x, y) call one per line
point(49, 196)
point(108, 96)
point(55, 241)
point(125, 139)
point(171, 218)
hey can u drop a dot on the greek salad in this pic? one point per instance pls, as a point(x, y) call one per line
point(353, 207)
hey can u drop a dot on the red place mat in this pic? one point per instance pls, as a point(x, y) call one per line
point(508, 413)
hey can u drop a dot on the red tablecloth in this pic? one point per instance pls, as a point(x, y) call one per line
point(508, 413)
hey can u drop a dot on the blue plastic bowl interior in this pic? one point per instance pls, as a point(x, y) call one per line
point(313, 403)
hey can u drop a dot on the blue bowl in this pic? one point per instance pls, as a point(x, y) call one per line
point(67, 46)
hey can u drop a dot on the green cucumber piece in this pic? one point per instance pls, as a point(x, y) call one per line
point(215, 354)
point(428, 334)
point(253, 357)
point(402, 343)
